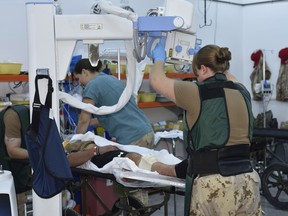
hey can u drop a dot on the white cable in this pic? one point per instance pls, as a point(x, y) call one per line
point(109, 8)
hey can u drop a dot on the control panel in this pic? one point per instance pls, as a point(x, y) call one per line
point(180, 47)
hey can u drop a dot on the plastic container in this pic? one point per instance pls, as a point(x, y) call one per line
point(114, 68)
point(10, 68)
point(147, 97)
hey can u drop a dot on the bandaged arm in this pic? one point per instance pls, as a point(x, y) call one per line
point(150, 162)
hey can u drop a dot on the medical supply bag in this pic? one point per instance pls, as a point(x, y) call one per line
point(51, 170)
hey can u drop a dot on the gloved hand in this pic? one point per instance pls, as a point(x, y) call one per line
point(159, 53)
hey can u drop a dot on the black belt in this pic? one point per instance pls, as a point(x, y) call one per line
point(227, 161)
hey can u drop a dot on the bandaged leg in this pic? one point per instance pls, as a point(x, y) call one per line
point(147, 161)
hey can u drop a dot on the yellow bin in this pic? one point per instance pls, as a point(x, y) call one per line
point(10, 68)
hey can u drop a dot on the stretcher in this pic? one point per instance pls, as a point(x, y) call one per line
point(127, 178)
point(126, 203)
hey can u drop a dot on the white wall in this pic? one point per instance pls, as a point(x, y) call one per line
point(225, 29)
point(13, 41)
point(266, 30)
point(242, 29)
point(245, 29)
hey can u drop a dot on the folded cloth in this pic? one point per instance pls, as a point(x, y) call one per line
point(168, 134)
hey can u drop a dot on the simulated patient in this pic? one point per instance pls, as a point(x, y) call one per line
point(82, 151)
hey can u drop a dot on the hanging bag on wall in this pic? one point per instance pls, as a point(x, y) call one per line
point(257, 74)
point(51, 171)
point(282, 80)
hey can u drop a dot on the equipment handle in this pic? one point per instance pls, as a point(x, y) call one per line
point(37, 103)
point(153, 38)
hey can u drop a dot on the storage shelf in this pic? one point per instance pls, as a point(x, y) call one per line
point(24, 77)
point(155, 104)
point(13, 78)
point(170, 75)
point(159, 104)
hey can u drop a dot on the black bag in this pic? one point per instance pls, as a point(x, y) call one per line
point(51, 170)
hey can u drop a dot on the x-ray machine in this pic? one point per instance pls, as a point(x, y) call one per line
point(52, 39)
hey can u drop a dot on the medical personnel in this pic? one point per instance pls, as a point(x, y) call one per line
point(218, 131)
point(13, 152)
point(128, 125)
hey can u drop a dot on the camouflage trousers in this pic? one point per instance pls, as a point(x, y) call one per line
point(216, 195)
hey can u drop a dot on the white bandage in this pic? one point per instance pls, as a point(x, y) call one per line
point(147, 161)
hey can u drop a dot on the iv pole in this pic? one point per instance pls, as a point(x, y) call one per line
point(264, 98)
point(266, 89)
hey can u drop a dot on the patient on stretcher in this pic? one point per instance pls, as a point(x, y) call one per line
point(80, 152)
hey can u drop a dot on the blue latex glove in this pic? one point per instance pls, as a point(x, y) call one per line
point(159, 53)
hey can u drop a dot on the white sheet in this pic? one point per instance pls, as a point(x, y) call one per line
point(168, 135)
point(140, 179)
point(163, 155)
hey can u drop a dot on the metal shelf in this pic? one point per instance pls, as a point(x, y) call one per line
point(155, 104)
point(160, 104)
point(24, 77)
point(170, 75)
point(12, 78)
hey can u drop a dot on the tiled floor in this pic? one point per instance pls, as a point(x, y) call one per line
point(266, 206)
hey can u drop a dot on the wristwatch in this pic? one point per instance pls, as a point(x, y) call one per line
point(96, 151)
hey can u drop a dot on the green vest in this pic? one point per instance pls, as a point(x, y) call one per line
point(20, 170)
point(211, 129)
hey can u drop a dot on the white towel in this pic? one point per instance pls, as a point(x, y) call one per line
point(168, 135)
